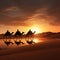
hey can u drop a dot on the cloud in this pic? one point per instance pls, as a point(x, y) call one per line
point(17, 12)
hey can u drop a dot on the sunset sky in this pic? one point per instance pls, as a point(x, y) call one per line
point(39, 15)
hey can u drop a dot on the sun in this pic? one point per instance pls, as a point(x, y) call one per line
point(36, 29)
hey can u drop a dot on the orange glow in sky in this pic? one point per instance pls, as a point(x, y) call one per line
point(36, 29)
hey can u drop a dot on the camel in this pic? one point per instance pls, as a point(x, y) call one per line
point(30, 35)
point(18, 34)
point(8, 35)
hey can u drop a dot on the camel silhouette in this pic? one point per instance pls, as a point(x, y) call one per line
point(18, 42)
point(8, 35)
point(8, 42)
point(19, 35)
point(30, 35)
point(30, 42)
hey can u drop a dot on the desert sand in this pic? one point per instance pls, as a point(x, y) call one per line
point(48, 50)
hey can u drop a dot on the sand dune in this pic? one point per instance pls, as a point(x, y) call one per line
point(39, 51)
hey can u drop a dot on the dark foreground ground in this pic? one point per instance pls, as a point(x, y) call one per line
point(48, 50)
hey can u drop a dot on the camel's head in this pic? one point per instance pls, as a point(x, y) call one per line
point(12, 32)
point(22, 32)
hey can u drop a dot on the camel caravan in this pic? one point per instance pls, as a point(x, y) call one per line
point(18, 36)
